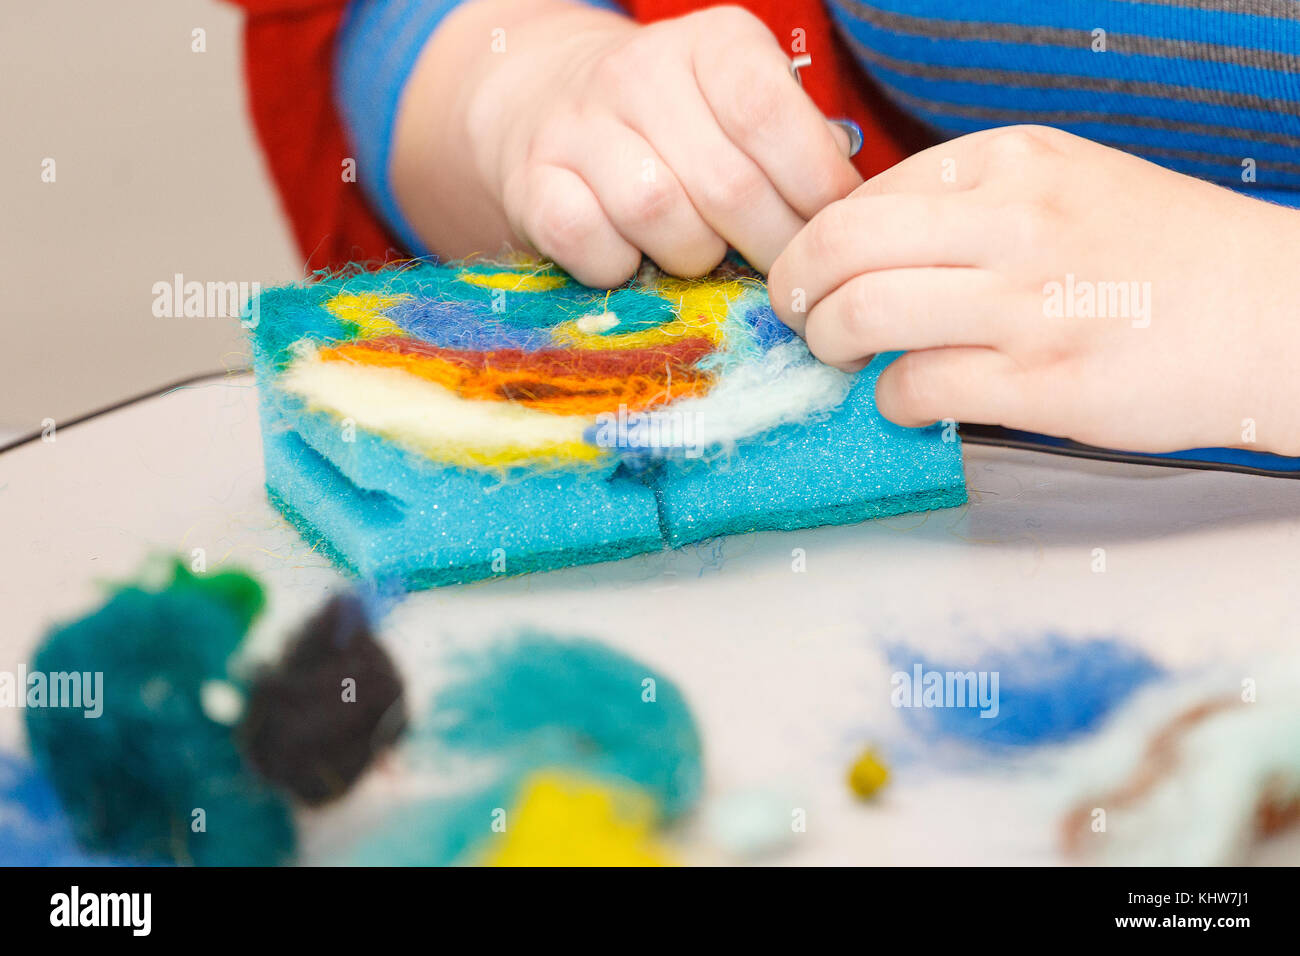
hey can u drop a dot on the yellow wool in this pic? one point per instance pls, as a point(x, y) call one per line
point(514, 281)
point(701, 310)
point(434, 421)
point(365, 310)
point(567, 820)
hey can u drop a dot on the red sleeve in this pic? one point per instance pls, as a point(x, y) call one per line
point(289, 66)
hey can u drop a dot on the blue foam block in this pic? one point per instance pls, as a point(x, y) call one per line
point(382, 512)
point(385, 514)
point(852, 466)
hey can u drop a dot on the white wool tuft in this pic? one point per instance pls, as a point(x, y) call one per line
point(784, 385)
point(423, 414)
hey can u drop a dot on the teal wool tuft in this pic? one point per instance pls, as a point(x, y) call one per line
point(540, 702)
point(533, 704)
point(153, 778)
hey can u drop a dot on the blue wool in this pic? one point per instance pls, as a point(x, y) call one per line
point(454, 313)
point(132, 778)
point(767, 328)
point(34, 831)
point(542, 702)
point(852, 466)
point(1049, 690)
point(463, 326)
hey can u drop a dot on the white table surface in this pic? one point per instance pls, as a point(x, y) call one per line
point(785, 671)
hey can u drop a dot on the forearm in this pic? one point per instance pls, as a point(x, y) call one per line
point(487, 61)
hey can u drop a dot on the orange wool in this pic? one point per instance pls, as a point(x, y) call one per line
point(559, 394)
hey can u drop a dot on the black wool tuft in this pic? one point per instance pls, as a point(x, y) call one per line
point(316, 719)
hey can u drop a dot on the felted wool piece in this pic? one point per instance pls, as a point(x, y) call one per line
point(538, 701)
point(444, 423)
point(1048, 690)
point(562, 819)
point(552, 816)
point(316, 719)
point(1197, 774)
point(34, 830)
point(535, 709)
point(155, 778)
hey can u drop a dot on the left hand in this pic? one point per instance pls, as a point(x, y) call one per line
point(1044, 282)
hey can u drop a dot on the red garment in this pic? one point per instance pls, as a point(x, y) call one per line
point(289, 63)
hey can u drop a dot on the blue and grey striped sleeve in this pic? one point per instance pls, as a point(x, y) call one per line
point(379, 43)
point(1207, 87)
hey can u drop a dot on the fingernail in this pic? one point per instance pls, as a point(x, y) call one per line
point(853, 131)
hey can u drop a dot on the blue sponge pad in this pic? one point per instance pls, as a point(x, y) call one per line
point(852, 466)
point(382, 510)
point(383, 513)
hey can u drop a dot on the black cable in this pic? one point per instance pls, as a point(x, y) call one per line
point(990, 435)
point(144, 396)
point(996, 437)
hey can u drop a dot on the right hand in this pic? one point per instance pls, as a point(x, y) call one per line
point(602, 140)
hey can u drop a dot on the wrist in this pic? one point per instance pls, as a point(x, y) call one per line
point(473, 95)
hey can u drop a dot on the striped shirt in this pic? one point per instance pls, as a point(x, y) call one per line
point(1207, 87)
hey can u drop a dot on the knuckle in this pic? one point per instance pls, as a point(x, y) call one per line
point(752, 99)
point(1047, 136)
point(826, 234)
point(621, 74)
point(652, 204)
point(735, 189)
point(1014, 148)
point(726, 20)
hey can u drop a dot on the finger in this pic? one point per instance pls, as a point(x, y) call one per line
point(646, 204)
point(556, 212)
point(766, 113)
point(907, 309)
point(730, 191)
point(964, 163)
point(962, 384)
point(873, 233)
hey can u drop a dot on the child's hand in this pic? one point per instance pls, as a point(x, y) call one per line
point(982, 254)
point(599, 140)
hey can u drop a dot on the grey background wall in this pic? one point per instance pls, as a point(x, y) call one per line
point(156, 173)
